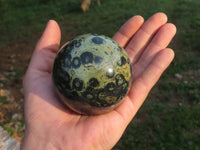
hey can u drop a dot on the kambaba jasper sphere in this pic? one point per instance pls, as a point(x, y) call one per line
point(92, 74)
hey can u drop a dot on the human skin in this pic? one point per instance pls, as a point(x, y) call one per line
point(52, 126)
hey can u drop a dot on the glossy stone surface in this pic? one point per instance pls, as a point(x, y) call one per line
point(92, 74)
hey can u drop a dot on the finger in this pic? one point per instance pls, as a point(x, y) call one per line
point(159, 42)
point(150, 76)
point(128, 30)
point(46, 48)
point(50, 39)
point(141, 87)
point(141, 39)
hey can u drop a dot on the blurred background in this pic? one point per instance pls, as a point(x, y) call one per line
point(169, 118)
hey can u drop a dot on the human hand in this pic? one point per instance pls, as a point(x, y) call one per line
point(52, 126)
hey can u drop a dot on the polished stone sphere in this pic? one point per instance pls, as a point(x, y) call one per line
point(92, 74)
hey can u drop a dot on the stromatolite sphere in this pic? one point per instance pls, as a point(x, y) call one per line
point(92, 74)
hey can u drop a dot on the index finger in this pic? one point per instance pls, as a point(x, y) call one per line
point(128, 30)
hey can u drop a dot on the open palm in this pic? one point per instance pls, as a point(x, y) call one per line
point(50, 125)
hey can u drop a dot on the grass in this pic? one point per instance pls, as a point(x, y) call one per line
point(169, 119)
point(172, 128)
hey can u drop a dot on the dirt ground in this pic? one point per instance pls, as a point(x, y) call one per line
point(14, 60)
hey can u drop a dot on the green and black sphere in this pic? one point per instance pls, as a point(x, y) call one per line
point(92, 74)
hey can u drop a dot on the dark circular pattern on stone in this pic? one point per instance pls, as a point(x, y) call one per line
point(110, 86)
point(86, 58)
point(76, 63)
point(97, 40)
point(89, 93)
point(106, 53)
point(122, 61)
point(78, 43)
point(77, 84)
point(93, 82)
point(101, 95)
point(75, 43)
point(98, 59)
point(119, 78)
point(67, 61)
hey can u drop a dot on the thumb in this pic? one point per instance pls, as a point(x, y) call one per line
point(44, 54)
point(50, 39)
point(46, 48)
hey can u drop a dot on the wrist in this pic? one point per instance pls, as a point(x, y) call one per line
point(33, 142)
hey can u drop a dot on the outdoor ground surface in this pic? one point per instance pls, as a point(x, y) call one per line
point(170, 117)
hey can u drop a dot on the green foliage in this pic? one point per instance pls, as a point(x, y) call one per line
point(176, 128)
point(19, 18)
point(187, 18)
point(187, 92)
